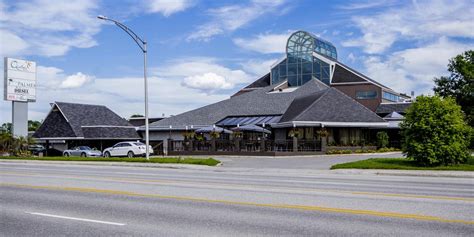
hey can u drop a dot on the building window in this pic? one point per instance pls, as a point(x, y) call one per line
point(391, 97)
point(364, 95)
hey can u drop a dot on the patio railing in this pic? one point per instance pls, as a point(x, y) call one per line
point(222, 145)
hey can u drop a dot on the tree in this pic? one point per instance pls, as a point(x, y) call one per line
point(33, 125)
point(137, 116)
point(434, 132)
point(460, 84)
point(382, 139)
point(6, 128)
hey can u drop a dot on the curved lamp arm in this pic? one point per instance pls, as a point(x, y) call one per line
point(141, 43)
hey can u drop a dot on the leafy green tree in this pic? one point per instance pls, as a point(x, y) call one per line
point(460, 84)
point(6, 128)
point(434, 132)
point(382, 139)
point(33, 125)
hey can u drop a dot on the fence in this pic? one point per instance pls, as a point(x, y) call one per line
point(222, 145)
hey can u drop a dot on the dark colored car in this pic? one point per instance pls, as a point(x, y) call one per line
point(36, 149)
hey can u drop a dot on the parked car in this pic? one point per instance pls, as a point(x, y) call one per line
point(36, 149)
point(82, 151)
point(128, 149)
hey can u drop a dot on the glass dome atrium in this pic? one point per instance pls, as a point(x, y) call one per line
point(300, 66)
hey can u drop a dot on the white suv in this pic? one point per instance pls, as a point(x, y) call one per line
point(128, 149)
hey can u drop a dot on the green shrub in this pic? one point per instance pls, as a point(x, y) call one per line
point(332, 152)
point(435, 133)
point(382, 139)
point(388, 149)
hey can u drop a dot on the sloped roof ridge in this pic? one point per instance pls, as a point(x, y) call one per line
point(370, 80)
point(361, 105)
point(62, 102)
point(310, 105)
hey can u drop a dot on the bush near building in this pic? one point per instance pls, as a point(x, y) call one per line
point(382, 139)
point(435, 133)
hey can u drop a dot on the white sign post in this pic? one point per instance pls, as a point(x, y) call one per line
point(20, 88)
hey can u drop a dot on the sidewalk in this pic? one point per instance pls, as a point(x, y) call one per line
point(260, 171)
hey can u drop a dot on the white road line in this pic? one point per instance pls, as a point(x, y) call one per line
point(75, 218)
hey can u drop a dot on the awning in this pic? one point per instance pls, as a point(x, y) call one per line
point(213, 129)
point(251, 128)
point(232, 121)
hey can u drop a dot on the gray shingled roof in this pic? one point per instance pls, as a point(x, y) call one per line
point(110, 133)
point(261, 82)
point(386, 108)
point(89, 115)
point(330, 105)
point(257, 102)
point(69, 120)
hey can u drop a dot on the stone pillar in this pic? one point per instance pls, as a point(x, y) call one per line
point(191, 144)
point(213, 144)
point(165, 147)
point(237, 144)
point(324, 144)
point(295, 144)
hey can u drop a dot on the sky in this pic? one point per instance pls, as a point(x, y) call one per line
point(201, 52)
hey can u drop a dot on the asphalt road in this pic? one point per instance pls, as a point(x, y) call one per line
point(80, 200)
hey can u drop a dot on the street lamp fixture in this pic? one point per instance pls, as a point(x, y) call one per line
point(142, 45)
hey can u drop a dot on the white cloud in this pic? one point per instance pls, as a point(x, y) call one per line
point(190, 70)
point(53, 78)
point(123, 95)
point(75, 81)
point(365, 5)
point(11, 44)
point(415, 68)
point(168, 7)
point(422, 20)
point(207, 81)
point(232, 17)
point(50, 28)
point(351, 57)
point(258, 67)
point(265, 43)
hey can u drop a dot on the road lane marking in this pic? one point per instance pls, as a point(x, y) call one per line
point(75, 218)
point(279, 206)
point(233, 186)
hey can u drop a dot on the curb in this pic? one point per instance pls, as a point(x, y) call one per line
point(418, 173)
point(123, 164)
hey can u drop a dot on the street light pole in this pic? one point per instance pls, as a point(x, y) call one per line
point(143, 46)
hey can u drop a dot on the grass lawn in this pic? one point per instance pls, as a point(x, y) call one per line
point(167, 160)
point(400, 164)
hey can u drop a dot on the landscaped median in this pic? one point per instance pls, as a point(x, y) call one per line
point(164, 160)
point(401, 164)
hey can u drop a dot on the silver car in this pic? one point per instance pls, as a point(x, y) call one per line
point(82, 151)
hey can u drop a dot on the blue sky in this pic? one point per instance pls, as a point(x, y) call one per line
point(201, 51)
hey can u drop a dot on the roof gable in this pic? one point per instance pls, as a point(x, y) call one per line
point(330, 106)
point(55, 125)
point(79, 115)
point(261, 101)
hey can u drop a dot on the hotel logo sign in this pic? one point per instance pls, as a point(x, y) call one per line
point(20, 80)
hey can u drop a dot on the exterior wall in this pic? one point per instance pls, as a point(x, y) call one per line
point(280, 134)
point(351, 91)
point(164, 136)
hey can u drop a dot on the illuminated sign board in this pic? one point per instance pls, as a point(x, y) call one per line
point(20, 80)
